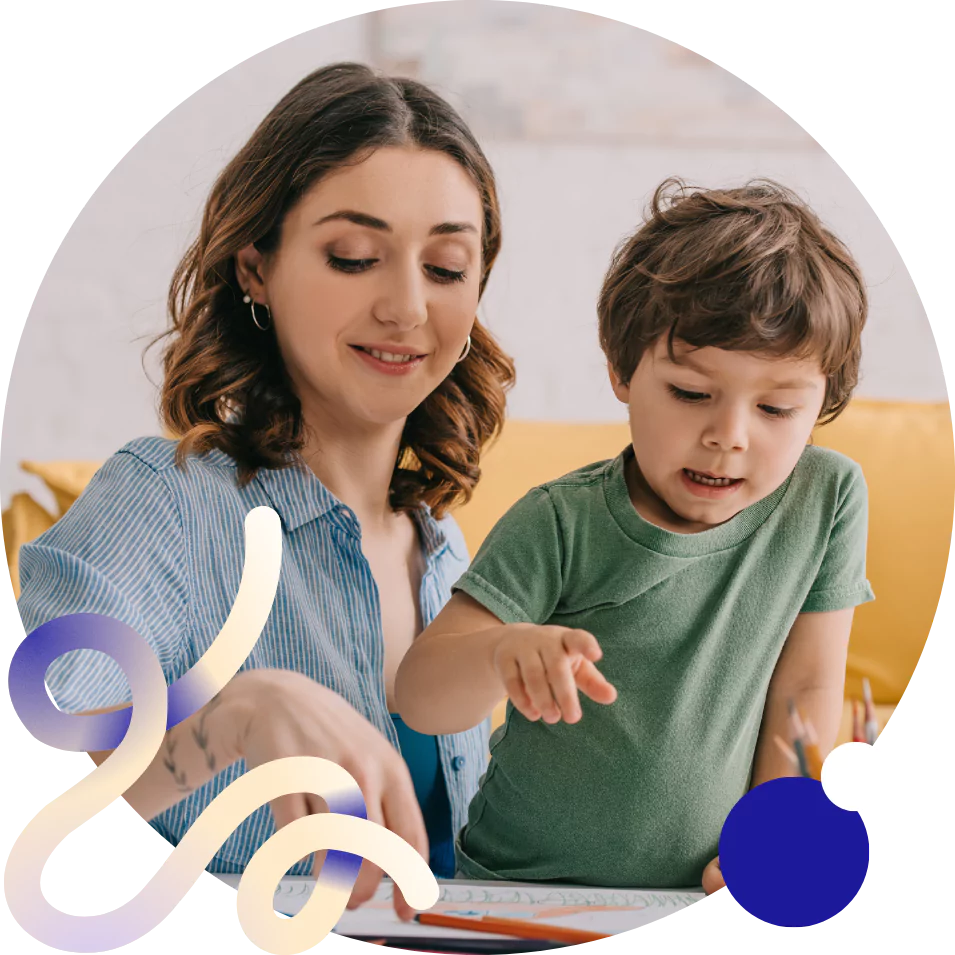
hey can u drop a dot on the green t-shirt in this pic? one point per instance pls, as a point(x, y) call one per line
point(691, 626)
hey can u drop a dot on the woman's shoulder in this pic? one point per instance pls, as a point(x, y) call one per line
point(144, 477)
point(159, 455)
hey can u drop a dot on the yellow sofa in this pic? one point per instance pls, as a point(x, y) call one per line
point(906, 452)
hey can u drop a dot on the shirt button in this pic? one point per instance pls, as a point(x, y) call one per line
point(457, 763)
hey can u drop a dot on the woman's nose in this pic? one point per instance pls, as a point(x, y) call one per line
point(403, 301)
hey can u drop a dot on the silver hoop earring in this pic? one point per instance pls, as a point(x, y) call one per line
point(262, 328)
point(466, 352)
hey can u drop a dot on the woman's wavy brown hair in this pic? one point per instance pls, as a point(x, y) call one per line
point(748, 269)
point(225, 385)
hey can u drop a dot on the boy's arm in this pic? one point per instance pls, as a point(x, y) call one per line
point(811, 672)
point(447, 681)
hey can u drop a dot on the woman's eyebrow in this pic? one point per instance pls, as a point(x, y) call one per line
point(373, 222)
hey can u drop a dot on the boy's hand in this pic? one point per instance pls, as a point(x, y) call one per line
point(543, 667)
point(713, 877)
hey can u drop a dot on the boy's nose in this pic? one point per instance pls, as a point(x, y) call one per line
point(727, 431)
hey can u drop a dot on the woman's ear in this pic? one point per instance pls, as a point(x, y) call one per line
point(621, 390)
point(249, 270)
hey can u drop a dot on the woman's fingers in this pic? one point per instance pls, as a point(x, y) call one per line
point(369, 875)
point(316, 804)
point(402, 815)
point(286, 809)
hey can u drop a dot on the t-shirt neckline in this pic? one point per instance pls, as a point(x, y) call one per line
point(674, 544)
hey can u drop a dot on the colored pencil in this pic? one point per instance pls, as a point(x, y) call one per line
point(810, 744)
point(813, 753)
point(871, 723)
point(857, 736)
point(786, 751)
point(797, 730)
point(516, 928)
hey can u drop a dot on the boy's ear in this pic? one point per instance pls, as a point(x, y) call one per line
point(621, 390)
point(249, 270)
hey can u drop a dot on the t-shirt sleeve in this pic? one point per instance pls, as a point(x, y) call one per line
point(118, 551)
point(841, 581)
point(517, 571)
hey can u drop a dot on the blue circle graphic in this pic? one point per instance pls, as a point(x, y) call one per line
point(790, 856)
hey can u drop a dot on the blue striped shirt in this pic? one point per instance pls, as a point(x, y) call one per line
point(161, 548)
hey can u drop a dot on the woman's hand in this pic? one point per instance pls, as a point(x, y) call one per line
point(543, 667)
point(279, 713)
point(713, 877)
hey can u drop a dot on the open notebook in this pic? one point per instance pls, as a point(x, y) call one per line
point(607, 911)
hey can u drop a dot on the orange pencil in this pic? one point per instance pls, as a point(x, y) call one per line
point(516, 928)
point(813, 753)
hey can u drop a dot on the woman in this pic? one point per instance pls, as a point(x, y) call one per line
point(324, 359)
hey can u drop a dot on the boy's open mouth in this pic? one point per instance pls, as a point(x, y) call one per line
point(701, 477)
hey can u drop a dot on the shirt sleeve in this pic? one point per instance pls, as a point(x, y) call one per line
point(841, 581)
point(118, 551)
point(517, 571)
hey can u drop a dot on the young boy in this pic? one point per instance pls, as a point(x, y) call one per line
point(711, 568)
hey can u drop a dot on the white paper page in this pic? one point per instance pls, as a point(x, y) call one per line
point(607, 911)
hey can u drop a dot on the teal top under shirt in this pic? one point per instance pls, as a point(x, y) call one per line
point(691, 627)
point(420, 752)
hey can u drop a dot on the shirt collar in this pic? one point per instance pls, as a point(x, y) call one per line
point(296, 494)
point(434, 539)
point(298, 497)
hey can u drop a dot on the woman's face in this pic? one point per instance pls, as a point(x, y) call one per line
point(374, 285)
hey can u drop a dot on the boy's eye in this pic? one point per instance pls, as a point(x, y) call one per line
point(682, 394)
point(440, 275)
point(775, 412)
point(694, 397)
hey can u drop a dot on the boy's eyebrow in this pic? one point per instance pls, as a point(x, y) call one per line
point(790, 384)
point(373, 222)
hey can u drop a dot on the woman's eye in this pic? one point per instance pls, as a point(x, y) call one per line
point(350, 265)
point(690, 396)
point(446, 275)
point(775, 412)
point(443, 276)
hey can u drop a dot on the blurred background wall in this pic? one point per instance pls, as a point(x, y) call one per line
point(581, 117)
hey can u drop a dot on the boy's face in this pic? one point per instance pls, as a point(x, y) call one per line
point(715, 430)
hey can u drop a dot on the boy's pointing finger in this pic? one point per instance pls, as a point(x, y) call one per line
point(582, 642)
point(594, 684)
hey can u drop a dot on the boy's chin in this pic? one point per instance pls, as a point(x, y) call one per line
point(708, 515)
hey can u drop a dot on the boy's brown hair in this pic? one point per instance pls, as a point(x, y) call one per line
point(746, 269)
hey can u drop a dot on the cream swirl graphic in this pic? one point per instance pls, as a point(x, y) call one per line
point(136, 733)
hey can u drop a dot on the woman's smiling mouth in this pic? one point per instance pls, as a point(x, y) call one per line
point(391, 360)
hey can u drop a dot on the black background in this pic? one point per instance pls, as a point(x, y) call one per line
point(871, 89)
